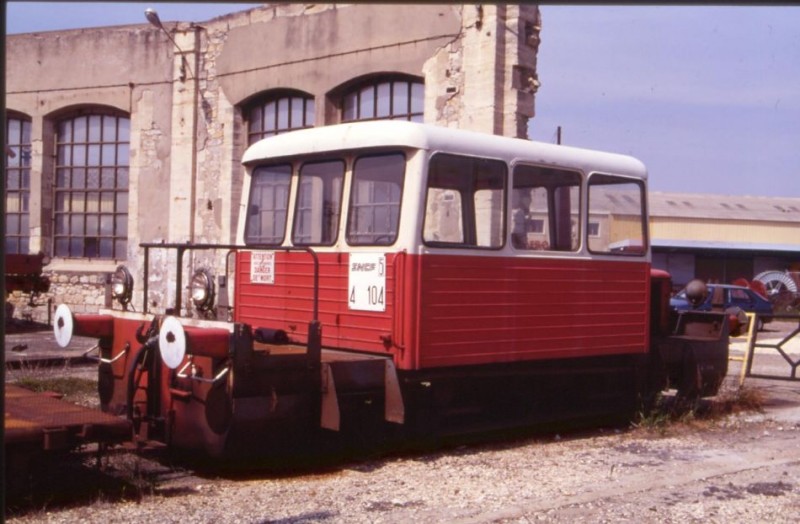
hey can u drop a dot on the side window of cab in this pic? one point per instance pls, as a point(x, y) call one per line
point(465, 202)
point(617, 204)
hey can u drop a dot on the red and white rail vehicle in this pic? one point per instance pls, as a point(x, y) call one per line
point(393, 278)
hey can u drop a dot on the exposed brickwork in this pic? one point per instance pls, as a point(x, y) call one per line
point(485, 78)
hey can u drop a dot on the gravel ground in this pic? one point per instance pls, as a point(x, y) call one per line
point(744, 467)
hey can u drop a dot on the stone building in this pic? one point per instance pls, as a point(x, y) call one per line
point(130, 134)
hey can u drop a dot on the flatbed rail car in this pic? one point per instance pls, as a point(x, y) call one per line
point(38, 424)
point(404, 279)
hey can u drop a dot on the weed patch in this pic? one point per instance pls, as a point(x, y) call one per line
point(737, 400)
point(671, 411)
point(70, 387)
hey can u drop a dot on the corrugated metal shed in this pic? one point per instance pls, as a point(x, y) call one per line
point(724, 207)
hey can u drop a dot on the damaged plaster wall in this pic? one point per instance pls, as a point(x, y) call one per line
point(485, 79)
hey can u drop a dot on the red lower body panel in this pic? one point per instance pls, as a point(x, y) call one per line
point(476, 310)
point(453, 310)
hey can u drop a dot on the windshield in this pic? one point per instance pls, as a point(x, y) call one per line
point(319, 203)
point(269, 204)
point(376, 191)
point(375, 198)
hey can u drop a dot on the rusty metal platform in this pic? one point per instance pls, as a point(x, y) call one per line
point(50, 424)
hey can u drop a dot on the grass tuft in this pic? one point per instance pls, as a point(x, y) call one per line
point(671, 411)
point(70, 387)
point(737, 400)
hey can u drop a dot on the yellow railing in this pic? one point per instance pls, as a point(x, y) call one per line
point(752, 344)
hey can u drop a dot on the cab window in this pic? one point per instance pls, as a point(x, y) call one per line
point(617, 205)
point(545, 209)
point(465, 202)
point(375, 195)
point(268, 205)
point(319, 202)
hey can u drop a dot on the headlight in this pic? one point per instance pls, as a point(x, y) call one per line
point(122, 285)
point(202, 290)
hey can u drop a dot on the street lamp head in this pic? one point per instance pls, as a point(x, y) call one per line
point(152, 17)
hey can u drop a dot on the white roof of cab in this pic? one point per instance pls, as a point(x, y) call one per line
point(396, 133)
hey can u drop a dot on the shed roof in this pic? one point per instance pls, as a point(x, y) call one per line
point(724, 207)
point(713, 245)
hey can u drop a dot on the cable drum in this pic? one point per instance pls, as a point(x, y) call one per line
point(776, 282)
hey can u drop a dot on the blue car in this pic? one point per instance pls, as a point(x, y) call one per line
point(728, 297)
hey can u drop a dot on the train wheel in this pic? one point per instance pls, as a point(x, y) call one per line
point(219, 409)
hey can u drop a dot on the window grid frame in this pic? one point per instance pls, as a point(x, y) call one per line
point(372, 86)
point(17, 184)
point(83, 209)
point(308, 112)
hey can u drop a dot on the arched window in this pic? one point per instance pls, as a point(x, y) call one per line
point(385, 98)
point(18, 183)
point(279, 112)
point(91, 186)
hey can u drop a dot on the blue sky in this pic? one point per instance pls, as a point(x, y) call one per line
point(29, 17)
point(707, 96)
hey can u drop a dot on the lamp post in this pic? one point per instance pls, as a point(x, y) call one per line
point(184, 140)
point(152, 17)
